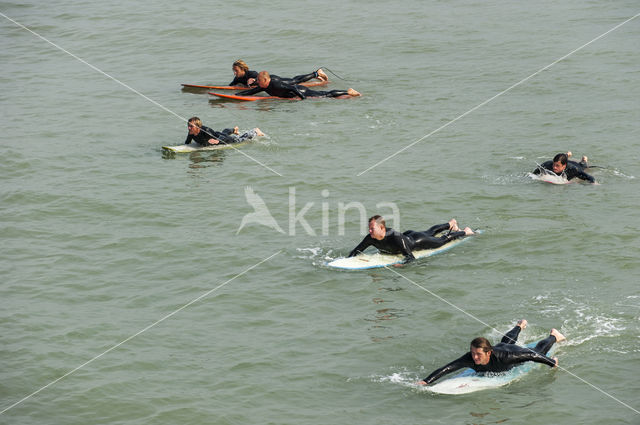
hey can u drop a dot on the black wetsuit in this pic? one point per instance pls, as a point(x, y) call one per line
point(225, 137)
point(574, 169)
point(243, 81)
point(395, 242)
point(504, 356)
point(281, 88)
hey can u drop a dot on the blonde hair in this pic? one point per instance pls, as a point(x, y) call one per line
point(241, 64)
point(195, 121)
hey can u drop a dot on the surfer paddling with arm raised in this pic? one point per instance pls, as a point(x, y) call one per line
point(276, 86)
point(389, 241)
point(245, 77)
point(204, 136)
point(482, 357)
point(560, 165)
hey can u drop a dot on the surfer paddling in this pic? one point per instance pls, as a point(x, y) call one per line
point(277, 86)
point(204, 136)
point(389, 241)
point(561, 166)
point(245, 77)
point(482, 357)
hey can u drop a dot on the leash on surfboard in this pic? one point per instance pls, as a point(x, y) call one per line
point(337, 76)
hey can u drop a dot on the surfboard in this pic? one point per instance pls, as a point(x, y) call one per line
point(196, 86)
point(549, 178)
point(197, 148)
point(249, 98)
point(469, 381)
point(370, 261)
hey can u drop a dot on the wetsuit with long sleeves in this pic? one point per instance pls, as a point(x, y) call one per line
point(395, 242)
point(504, 356)
point(225, 136)
point(281, 88)
point(243, 81)
point(573, 170)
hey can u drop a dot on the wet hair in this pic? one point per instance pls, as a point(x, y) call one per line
point(562, 157)
point(482, 343)
point(241, 64)
point(196, 121)
point(378, 219)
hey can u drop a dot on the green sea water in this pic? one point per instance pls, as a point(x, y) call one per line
point(129, 274)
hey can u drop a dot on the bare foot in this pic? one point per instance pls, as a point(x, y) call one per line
point(522, 323)
point(421, 383)
point(569, 154)
point(558, 335)
point(321, 75)
point(352, 92)
point(258, 132)
point(584, 159)
point(468, 231)
point(453, 225)
point(236, 130)
point(555, 359)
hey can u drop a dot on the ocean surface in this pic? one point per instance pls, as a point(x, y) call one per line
point(139, 287)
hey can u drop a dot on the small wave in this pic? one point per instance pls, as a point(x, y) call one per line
point(319, 256)
point(620, 174)
point(403, 377)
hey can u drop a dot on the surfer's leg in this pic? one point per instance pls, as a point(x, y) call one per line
point(321, 75)
point(248, 135)
point(545, 345)
point(332, 93)
point(305, 77)
point(423, 240)
point(511, 337)
point(434, 230)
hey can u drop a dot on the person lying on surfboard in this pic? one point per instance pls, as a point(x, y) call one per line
point(204, 136)
point(275, 86)
point(389, 241)
point(245, 77)
point(501, 357)
point(560, 165)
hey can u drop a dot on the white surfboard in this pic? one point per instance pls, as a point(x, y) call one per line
point(549, 178)
point(469, 381)
point(192, 147)
point(370, 261)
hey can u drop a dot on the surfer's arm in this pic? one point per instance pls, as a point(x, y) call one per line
point(366, 242)
point(462, 362)
point(584, 176)
point(189, 138)
point(297, 92)
point(225, 139)
point(250, 92)
point(402, 242)
point(544, 166)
